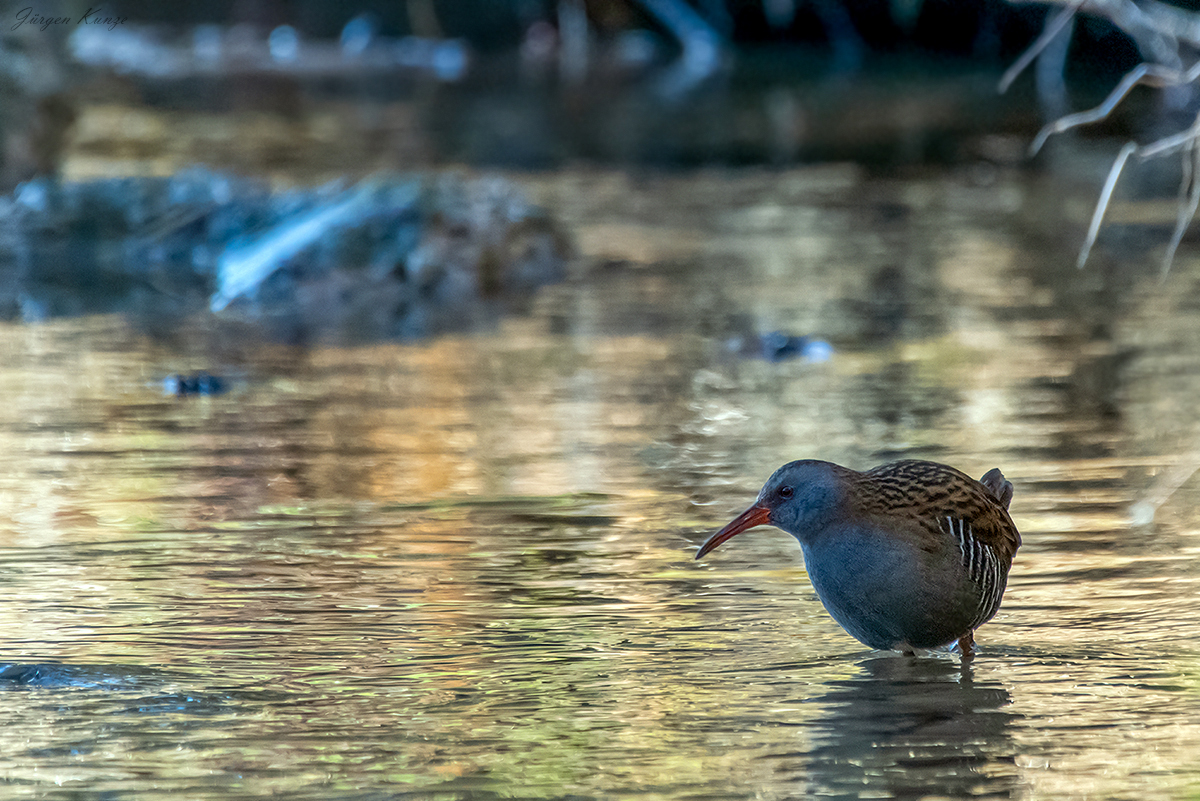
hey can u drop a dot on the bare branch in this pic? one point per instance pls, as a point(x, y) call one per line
point(1150, 74)
point(1186, 211)
point(1102, 205)
point(1048, 33)
point(1158, 29)
point(1183, 24)
point(1169, 144)
point(1155, 27)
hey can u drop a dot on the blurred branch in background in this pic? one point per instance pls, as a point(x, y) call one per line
point(702, 45)
point(1166, 36)
point(528, 82)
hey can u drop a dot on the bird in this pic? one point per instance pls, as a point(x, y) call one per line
point(908, 555)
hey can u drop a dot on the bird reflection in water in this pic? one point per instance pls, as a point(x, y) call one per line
point(912, 727)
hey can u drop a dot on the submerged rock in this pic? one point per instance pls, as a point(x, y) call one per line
point(399, 256)
point(778, 346)
point(202, 383)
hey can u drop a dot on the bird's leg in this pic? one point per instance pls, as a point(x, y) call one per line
point(966, 646)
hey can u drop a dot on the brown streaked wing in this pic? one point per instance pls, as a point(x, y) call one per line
point(930, 492)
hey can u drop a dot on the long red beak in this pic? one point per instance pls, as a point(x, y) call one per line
point(754, 516)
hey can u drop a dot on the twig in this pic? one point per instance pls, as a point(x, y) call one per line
point(1131, 79)
point(1184, 140)
point(1156, 28)
point(1105, 195)
point(1152, 74)
point(1048, 33)
point(1191, 182)
point(1169, 144)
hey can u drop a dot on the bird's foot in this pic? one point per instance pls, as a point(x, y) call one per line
point(966, 646)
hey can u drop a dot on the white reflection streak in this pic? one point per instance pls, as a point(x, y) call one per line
point(1142, 512)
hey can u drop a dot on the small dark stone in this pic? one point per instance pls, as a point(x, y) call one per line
point(201, 383)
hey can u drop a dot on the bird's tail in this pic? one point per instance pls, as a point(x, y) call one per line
point(999, 486)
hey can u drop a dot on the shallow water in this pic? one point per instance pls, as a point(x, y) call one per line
point(462, 568)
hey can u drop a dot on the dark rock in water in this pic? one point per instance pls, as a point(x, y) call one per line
point(778, 346)
point(198, 384)
point(388, 257)
point(21, 675)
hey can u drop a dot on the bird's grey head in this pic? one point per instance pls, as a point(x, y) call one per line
point(801, 496)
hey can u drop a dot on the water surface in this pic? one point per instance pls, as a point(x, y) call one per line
point(462, 568)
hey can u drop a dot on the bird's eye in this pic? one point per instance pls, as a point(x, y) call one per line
point(785, 492)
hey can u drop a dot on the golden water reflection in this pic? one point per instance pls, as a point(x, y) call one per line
point(463, 566)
